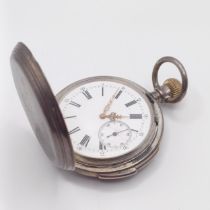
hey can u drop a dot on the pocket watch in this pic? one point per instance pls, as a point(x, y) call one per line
point(104, 126)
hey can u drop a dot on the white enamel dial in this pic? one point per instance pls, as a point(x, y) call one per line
point(105, 119)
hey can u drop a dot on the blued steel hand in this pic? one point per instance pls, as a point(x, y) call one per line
point(116, 133)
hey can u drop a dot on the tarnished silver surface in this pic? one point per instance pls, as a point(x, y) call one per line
point(41, 108)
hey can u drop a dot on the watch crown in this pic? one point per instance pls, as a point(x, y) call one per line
point(175, 87)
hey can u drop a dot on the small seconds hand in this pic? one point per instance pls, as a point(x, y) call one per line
point(116, 133)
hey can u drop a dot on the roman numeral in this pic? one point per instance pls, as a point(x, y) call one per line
point(75, 104)
point(135, 116)
point(85, 140)
point(102, 90)
point(102, 146)
point(74, 130)
point(118, 94)
point(73, 116)
point(87, 94)
point(131, 103)
point(134, 130)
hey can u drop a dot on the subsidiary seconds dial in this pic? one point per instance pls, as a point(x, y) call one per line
point(105, 119)
point(114, 135)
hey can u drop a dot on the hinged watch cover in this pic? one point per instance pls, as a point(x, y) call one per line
point(41, 108)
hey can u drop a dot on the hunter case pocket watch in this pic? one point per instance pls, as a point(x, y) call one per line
point(105, 127)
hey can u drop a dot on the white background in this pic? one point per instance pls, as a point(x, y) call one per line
point(76, 39)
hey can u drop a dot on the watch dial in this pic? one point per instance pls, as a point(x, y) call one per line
point(105, 119)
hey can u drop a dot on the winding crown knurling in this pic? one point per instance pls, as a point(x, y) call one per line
point(175, 87)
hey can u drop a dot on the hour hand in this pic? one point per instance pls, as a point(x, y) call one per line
point(108, 106)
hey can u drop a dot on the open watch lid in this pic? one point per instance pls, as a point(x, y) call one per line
point(41, 108)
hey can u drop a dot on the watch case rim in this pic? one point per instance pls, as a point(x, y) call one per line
point(98, 167)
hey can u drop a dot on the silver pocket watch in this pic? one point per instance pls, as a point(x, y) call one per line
point(105, 127)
